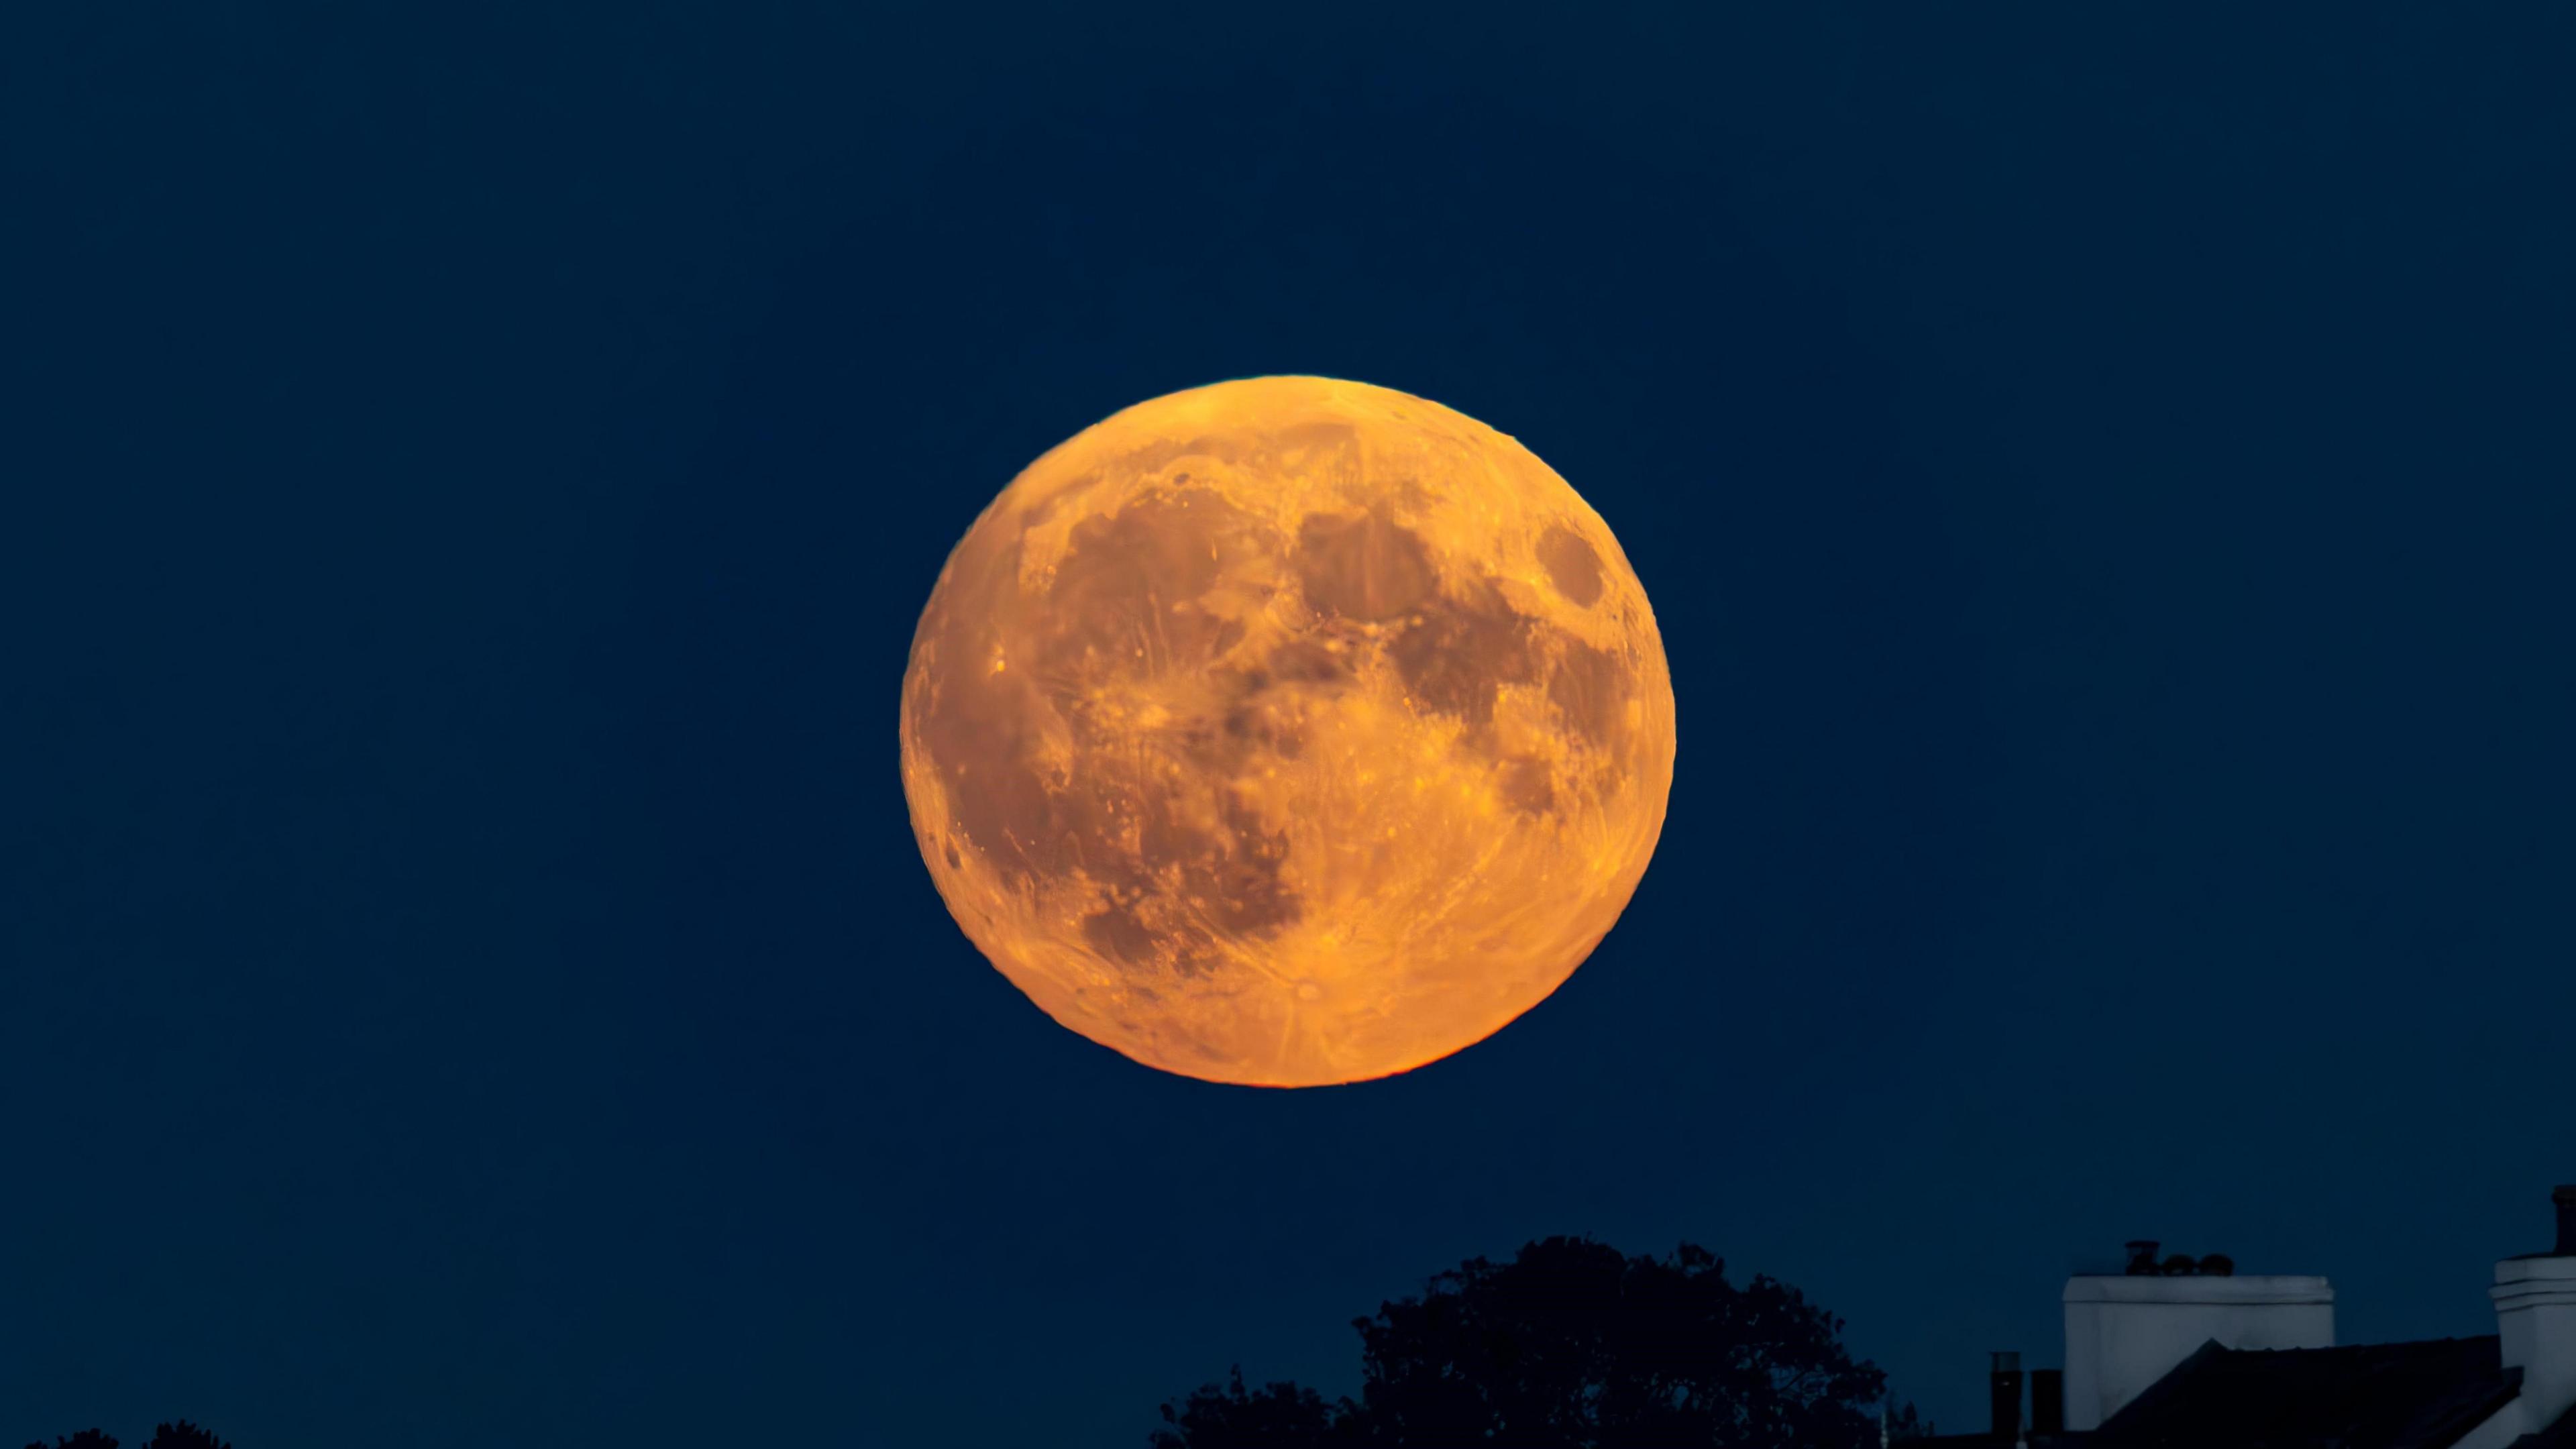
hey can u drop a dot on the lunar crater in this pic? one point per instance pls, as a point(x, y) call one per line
point(1265, 735)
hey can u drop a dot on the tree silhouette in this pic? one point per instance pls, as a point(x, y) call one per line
point(1572, 1345)
point(182, 1435)
point(1279, 1416)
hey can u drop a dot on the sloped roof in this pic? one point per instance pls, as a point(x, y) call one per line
point(2368, 1396)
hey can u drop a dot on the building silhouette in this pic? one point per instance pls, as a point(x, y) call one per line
point(2183, 1353)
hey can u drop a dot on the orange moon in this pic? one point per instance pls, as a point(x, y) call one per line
point(1288, 731)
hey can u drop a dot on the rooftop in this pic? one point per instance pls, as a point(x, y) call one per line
point(2366, 1396)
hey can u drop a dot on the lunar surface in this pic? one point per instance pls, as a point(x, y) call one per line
point(1287, 731)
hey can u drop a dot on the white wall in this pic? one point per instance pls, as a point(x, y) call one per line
point(2123, 1334)
point(2535, 1301)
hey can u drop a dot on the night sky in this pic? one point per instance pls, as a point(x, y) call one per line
point(469, 474)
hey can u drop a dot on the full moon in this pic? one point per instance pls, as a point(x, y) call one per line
point(1288, 731)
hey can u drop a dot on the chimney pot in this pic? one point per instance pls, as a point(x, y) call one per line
point(2003, 1388)
point(2047, 1402)
point(2565, 1197)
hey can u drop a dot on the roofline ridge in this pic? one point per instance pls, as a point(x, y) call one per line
point(2361, 1347)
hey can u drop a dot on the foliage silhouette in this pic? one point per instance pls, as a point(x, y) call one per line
point(1573, 1345)
point(182, 1435)
point(1279, 1416)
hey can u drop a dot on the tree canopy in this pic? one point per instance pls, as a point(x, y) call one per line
point(182, 1435)
point(1571, 1345)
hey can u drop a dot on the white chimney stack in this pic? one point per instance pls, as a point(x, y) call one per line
point(2535, 1299)
point(2125, 1332)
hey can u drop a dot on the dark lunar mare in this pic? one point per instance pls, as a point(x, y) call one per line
point(1110, 615)
point(1122, 606)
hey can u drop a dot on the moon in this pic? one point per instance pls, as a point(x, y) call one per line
point(1288, 731)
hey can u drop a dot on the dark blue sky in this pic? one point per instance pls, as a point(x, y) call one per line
point(472, 470)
